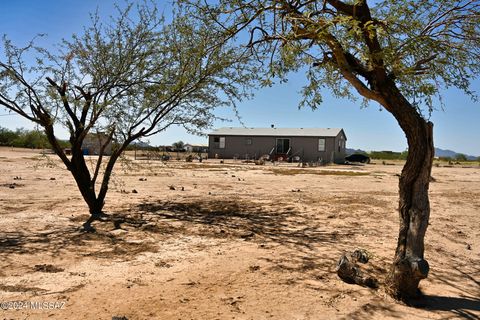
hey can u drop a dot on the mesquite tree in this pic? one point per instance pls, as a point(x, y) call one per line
point(126, 79)
point(400, 54)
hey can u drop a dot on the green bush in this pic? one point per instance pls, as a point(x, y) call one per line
point(22, 138)
point(388, 155)
point(461, 157)
point(7, 137)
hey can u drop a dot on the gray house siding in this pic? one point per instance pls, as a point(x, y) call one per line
point(340, 146)
point(253, 147)
point(237, 147)
point(92, 144)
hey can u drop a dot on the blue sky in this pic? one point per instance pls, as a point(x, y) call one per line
point(456, 128)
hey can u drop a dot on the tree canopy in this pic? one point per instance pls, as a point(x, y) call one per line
point(425, 46)
point(128, 77)
point(400, 54)
point(131, 73)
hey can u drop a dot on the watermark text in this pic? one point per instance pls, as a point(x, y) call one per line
point(32, 305)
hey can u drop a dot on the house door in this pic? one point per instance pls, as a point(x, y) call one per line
point(283, 145)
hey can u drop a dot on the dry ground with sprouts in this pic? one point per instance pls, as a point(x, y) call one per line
point(228, 241)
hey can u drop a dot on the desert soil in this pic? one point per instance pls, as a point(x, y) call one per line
point(227, 241)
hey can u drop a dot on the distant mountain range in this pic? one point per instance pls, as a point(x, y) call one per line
point(438, 153)
point(452, 154)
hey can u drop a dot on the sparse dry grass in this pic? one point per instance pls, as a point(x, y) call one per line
point(293, 171)
point(239, 240)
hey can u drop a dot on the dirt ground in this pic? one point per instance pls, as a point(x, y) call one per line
point(227, 241)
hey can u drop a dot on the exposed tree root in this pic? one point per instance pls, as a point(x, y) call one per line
point(87, 226)
point(349, 271)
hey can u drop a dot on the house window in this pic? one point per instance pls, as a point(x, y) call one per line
point(219, 142)
point(248, 141)
point(321, 144)
point(283, 145)
point(222, 142)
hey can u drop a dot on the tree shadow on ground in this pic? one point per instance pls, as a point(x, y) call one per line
point(100, 244)
point(212, 218)
point(464, 304)
point(451, 307)
point(303, 235)
point(307, 247)
point(311, 245)
point(463, 273)
point(463, 307)
point(249, 221)
point(463, 278)
point(25, 242)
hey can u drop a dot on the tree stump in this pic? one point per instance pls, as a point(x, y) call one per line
point(349, 271)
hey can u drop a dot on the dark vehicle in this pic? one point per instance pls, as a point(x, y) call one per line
point(358, 157)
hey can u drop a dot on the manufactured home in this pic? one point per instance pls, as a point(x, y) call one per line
point(93, 142)
point(287, 144)
point(199, 148)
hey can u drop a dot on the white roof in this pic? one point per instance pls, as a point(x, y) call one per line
point(196, 145)
point(290, 132)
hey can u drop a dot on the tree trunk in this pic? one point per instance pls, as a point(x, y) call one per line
point(98, 202)
point(409, 265)
point(82, 177)
point(79, 170)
